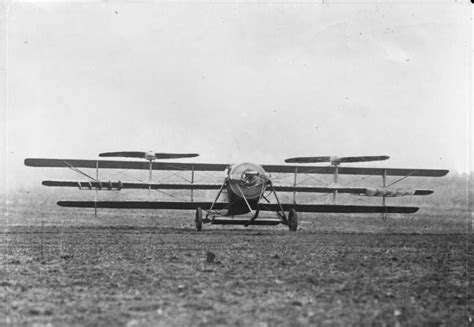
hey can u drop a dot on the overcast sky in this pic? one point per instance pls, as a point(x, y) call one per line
point(235, 82)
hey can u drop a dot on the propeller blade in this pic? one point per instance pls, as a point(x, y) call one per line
point(175, 155)
point(362, 158)
point(148, 155)
point(336, 160)
point(308, 159)
point(126, 154)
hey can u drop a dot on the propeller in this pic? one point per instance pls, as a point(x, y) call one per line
point(148, 155)
point(336, 160)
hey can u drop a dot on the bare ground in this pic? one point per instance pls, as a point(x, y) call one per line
point(333, 271)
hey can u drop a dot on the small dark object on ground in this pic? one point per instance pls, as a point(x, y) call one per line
point(210, 257)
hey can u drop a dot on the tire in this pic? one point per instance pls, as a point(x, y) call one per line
point(198, 219)
point(292, 220)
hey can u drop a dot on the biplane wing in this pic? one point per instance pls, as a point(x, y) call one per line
point(176, 205)
point(355, 170)
point(177, 166)
point(245, 187)
point(122, 164)
point(103, 185)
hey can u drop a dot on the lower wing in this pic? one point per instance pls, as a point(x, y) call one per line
point(175, 205)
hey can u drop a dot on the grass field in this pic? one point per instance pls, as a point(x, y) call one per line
point(134, 268)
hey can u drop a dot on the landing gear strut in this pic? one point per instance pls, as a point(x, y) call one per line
point(292, 220)
point(198, 219)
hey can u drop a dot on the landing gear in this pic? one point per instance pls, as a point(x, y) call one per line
point(255, 215)
point(292, 220)
point(198, 219)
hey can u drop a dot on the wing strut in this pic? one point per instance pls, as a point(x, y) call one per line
point(294, 184)
point(245, 199)
point(335, 181)
point(96, 179)
point(400, 179)
point(384, 183)
point(96, 191)
point(281, 214)
point(192, 182)
point(77, 170)
point(215, 200)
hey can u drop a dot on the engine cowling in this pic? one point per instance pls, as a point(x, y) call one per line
point(247, 180)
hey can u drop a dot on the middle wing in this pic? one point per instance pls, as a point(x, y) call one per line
point(215, 186)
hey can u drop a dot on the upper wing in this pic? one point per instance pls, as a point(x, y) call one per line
point(115, 164)
point(112, 164)
point(355, 170)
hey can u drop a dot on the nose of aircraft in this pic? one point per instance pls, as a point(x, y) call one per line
point(247, 180)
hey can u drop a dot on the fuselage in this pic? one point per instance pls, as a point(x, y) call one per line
point(246, 183)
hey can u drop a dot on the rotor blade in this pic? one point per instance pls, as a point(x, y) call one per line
point(362, 158)
point(126, 154)
point(308, 159)
point(175, 155)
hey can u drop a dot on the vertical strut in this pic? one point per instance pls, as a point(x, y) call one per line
point(96, 190)
point(294, 184)
point(192, 182)
point(150, 171)
point(384, 184)
point(334, 194)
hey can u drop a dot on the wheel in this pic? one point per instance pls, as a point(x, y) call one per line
point(198, 219)
point(292, 220)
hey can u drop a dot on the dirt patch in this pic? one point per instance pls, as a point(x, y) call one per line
point(164, 276)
